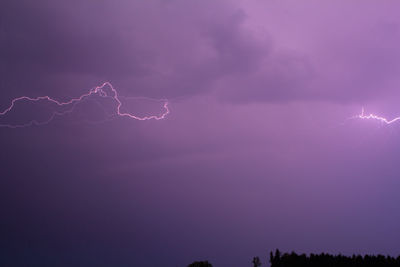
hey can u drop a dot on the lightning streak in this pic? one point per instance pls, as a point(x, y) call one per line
point(375, 117)
point(98, 90)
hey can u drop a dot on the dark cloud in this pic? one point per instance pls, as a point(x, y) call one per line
point(282, 77)
point(178, 48)
point(155, 49)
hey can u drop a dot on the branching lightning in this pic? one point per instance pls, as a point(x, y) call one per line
point(371, 116)
point(69, 105)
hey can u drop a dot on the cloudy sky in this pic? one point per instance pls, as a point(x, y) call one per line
point(257, 153)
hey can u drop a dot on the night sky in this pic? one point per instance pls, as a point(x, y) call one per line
point(257, 153)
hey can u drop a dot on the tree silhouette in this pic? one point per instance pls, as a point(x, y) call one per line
point(200, 264)
point(275, 260)
point(256, 262)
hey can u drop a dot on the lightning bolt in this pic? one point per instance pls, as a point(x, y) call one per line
point(371, 116)
point(98, 90)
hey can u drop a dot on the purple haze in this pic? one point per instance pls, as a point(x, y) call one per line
point(256, 153)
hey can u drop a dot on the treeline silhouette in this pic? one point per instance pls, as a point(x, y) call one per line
point(319, 260)
point(328, 260)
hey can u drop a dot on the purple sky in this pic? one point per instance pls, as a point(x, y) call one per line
point(256, 153)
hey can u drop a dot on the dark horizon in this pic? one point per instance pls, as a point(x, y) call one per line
point(264, 144)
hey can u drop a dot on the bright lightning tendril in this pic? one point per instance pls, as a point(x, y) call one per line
point(375, 117)
point(98, 90)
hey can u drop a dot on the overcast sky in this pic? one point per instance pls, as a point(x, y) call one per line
point(257, 152)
